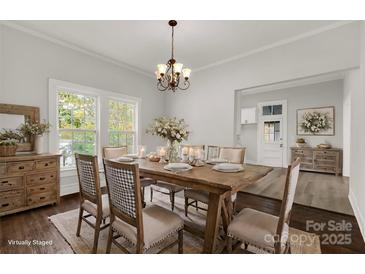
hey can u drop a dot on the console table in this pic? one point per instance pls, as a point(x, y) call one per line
point(318, 160)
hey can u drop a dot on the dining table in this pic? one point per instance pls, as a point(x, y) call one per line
point(220, 186)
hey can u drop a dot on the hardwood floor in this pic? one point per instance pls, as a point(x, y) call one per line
point(34, 225)
point(319, 190)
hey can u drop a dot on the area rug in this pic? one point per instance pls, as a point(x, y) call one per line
point(66, 223)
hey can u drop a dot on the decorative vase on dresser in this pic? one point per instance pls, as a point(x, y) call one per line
point(28, 181)
point(319, 160)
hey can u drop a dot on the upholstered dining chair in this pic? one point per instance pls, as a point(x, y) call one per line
point(231, 154)
point(171, 189)
point(91, 200)
point(143, 228)
point(115, 152)
point(265, 231)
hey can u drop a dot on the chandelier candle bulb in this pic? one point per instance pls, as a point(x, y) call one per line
point(162, 69)
point(186, 73)
point(178, 68)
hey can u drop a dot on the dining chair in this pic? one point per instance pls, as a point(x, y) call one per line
point(171, 189)
point(115, 152)
point(231, 154)
point(91, 199)
point(143, 228)
point(262, 230)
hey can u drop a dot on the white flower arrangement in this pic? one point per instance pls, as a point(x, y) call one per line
point(315, 122)
point(172, 129)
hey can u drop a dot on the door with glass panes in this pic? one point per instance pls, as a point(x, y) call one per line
point(272, 134)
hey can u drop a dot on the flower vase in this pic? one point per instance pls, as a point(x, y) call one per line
point(38, 144)
point(172, 151)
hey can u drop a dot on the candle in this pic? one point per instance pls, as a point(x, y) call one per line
point(142, 152)
point(185, 151)
point(162, 152)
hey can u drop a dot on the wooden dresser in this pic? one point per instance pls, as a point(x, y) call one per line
point(319, 160)
point(28, 181)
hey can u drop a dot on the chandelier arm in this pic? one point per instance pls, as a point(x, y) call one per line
point(161, 87)
point(186, 85)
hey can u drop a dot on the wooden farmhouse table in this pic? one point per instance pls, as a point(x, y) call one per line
point(219, 185)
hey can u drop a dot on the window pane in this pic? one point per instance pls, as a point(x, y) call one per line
point(277, 110)
point(266, 110)
point(272, 131)
point(76, 111)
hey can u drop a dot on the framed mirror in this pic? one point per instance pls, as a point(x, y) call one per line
point(12, 116)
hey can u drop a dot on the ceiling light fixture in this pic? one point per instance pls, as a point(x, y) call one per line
point(169, 74)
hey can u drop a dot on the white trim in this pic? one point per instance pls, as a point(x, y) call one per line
point(275, 45)
point(72, 46)
point(284, 119)
point(358, 213)
point(69, 189)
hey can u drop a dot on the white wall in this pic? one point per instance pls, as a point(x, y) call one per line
point(357, 171)
point(350, 83)
point(27, 62)
point(314, 95)
point(208, 106)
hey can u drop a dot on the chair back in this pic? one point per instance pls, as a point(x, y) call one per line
point(88, 175)
point(234, 155)
point(212, 152)
point(124, 186)
point(287, 203)
point(114, 152)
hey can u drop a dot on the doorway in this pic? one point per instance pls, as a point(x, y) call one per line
point(272, 133)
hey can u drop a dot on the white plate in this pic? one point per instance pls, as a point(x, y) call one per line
point(229, 168)
point(133, 156)
point(124, 159)
point(216, 161)
point(177, 167)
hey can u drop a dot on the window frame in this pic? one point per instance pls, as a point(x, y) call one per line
point(102, 115)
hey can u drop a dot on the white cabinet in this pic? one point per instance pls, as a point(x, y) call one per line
point(248, 116)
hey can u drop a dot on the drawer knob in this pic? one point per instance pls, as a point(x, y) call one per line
point(41, 198)
point(5, 205)
point(21, 167)
point(42, 188)
point(46, 164)
point(42, 178)
point(5, 182)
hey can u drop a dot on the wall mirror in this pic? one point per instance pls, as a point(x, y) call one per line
point(12, 116)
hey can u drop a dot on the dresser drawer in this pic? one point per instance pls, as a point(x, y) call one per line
point(325, 153)
point(11, 183)
point(41, 178)
point(41, 198)
point(2, 169)
point(10, 200)
point(19, 167)
point(36, 189)
point(44, 164)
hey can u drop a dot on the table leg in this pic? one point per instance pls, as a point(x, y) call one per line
point(211, 227)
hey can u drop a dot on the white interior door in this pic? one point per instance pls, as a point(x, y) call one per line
point(272, 149)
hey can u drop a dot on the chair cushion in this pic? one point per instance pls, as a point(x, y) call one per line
point(159, 224)
point(201, 196)
point(91, 207)
point(162, 186)
point(256, 228)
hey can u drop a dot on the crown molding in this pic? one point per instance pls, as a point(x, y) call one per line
point(76, 48)
point(276, 44)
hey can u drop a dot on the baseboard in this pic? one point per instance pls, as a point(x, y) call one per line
point(358, 214)
point(251, 162)
point(69, 189)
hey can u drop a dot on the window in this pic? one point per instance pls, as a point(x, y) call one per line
point(272, 110)
point(121, 124)
point(271, 131)
point(76, 126)
point(86, 119)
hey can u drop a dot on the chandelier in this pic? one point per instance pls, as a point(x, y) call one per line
point(169, 75)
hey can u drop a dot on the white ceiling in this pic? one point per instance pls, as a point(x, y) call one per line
point(143, 44)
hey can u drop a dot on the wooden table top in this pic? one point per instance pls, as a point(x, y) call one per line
point(205, 177)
